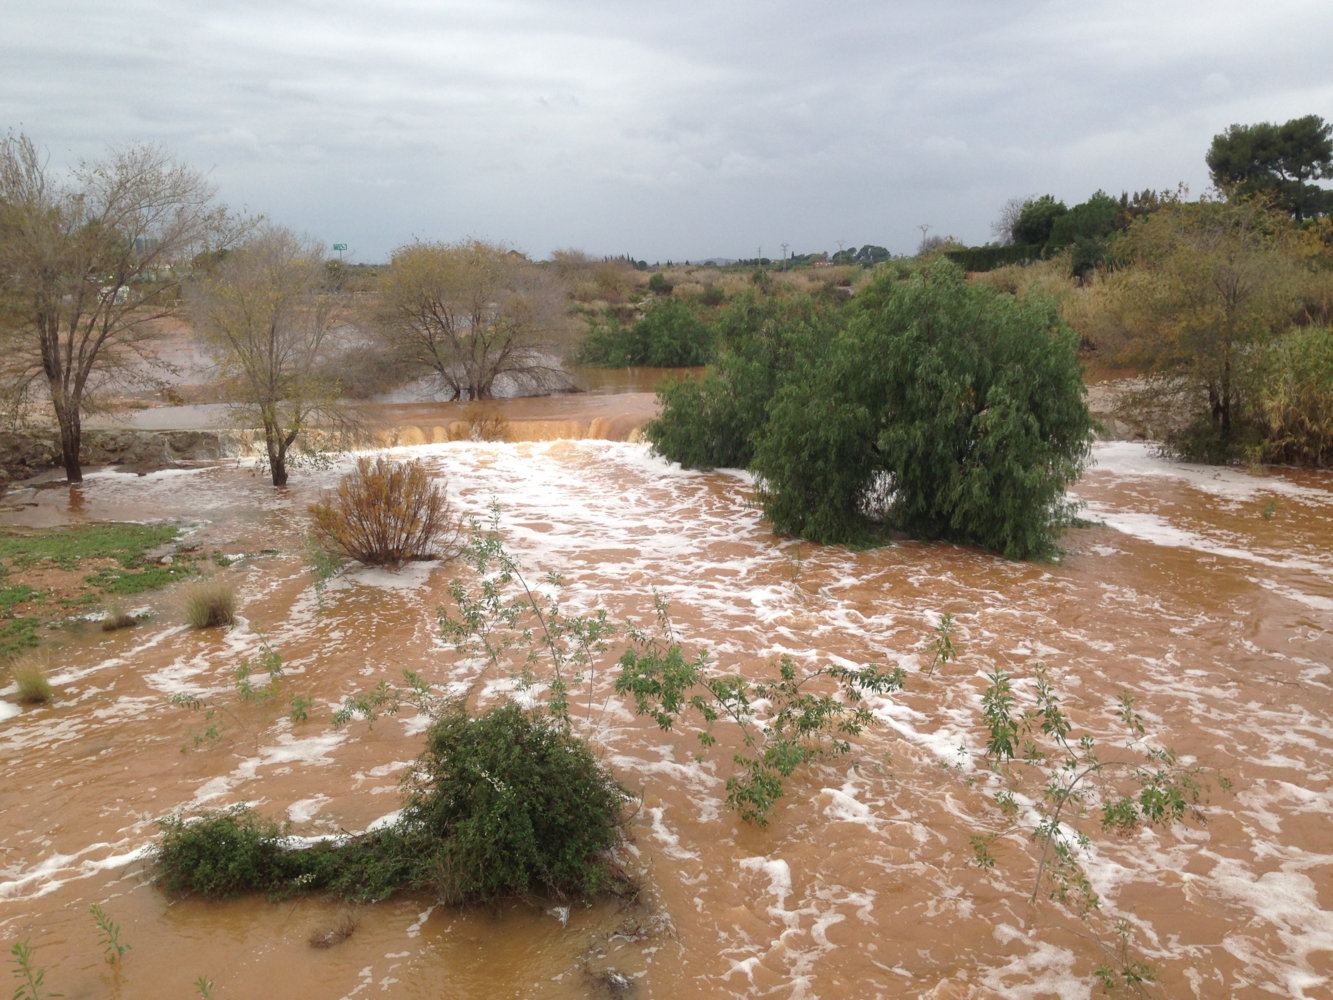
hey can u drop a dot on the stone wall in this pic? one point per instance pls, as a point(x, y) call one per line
point(23, 455)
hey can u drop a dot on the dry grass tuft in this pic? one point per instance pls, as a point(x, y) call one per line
point(210, 602)
point(343, 926)
point(117, 618)
point(29, 676)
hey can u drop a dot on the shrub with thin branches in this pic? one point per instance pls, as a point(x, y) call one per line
point(386, 513)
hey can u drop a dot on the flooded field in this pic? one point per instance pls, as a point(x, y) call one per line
point(1206, 594)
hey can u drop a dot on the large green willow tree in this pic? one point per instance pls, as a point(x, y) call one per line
point(939, 408)
point(89, 262)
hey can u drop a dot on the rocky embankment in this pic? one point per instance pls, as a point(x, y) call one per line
point(26, 454)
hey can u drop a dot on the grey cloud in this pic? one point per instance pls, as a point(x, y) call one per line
point(670, 130)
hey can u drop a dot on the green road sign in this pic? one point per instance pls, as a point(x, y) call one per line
point(340, 246)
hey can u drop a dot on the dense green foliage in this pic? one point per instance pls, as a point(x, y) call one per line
point(1036, 220)
point(764, 339)
point(939, 408)
point(669, 334)
point(989, 258)
point(224, 854)
point(510, 802)
point(1277, 162)
point(1095, 218)
point(968, 426)
point(501, 804)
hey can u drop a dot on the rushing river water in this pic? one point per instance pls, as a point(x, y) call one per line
point(1205, 593)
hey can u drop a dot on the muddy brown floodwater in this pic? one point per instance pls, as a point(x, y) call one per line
point(1206, 594)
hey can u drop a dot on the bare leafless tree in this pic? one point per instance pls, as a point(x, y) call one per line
point(91, 262)
point(266, 313)
point(478, 314)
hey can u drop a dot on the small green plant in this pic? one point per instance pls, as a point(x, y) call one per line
point(109, 933)
point(324, 563)
point(210, 603)
point(204, 987)
point(1123, 970)
point(499, 617)
point(269, 664)
point(212, 732)
point(798, 723)
point(386, 513)
point(29, 677)
point(1269, 510)
point(31, 979)
point(941, 647)
point(1134, 785)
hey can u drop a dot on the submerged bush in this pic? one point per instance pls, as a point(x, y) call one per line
point(385, 513)
point(224, 854)
point(512, 803)
point(503, 804)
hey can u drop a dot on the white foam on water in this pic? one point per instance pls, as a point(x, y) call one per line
point(1137, 458)
point(619, 525)
point(778, 873)
point(1160, 531)
point(411, 576)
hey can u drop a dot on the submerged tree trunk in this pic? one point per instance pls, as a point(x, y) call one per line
point(69, 420)
point(71, 438)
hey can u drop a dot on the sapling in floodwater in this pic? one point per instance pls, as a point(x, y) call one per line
point(31, 979)
point(782, 723)
point(1135, 784)
point(269, 662)
point(109, 933)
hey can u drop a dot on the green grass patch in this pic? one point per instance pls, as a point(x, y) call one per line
point(12, 595)
point(18, 634)
point(134, 572)
point(67, 547)
point(112, 580)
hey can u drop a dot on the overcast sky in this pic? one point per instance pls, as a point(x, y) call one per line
point(668, 131)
